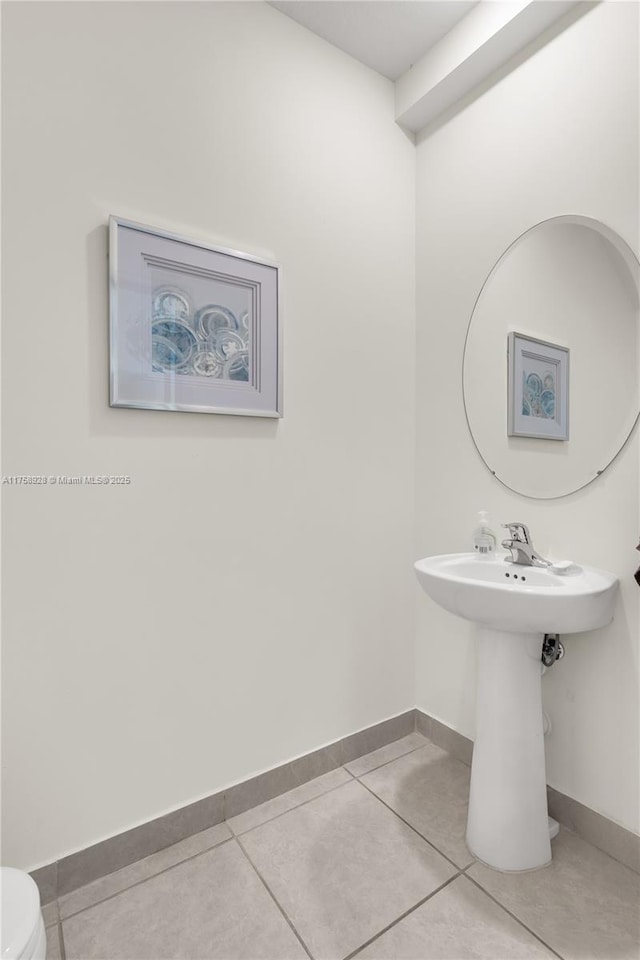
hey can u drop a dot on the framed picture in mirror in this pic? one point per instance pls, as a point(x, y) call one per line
point(538, 388)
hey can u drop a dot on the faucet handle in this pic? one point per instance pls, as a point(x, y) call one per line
point(518, 531)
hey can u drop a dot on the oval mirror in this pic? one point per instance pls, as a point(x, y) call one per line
point(550, 365)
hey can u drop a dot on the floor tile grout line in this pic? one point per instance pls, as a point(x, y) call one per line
point(337, 766)
point(275, 899)
point(220, 843)
point(233, 834)
point(61, 946)
point(513, 916)
point(415, 829)
point(303, 803)
point(428, 742)
point(151, 876)
point(393, 759)
point(402, 916)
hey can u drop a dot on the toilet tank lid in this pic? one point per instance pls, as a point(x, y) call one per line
point(20, 911)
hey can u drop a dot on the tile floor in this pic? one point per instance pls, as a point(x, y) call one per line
point(367, 861)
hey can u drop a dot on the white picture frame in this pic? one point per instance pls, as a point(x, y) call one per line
point(538, 388)
point(193, 327)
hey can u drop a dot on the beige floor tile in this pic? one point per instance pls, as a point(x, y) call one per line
point(391, 752)
point(343, 867)
point(141, 870)
point(50, 913)
point(213, 906)
point(430, 790)
point(287, 801)
point(584, 904)
point(458, 923)
point(53, 943)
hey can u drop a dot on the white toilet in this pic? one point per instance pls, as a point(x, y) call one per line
point(22, 935)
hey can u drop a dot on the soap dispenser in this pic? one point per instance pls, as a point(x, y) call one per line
point(484, 539)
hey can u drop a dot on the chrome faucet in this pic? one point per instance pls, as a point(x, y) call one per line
point(521, 548)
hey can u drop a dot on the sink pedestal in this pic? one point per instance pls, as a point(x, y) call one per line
point(514, 606)
point(507, 826)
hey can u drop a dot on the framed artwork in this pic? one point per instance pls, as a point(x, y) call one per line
point(192, 327)
point(538, 388)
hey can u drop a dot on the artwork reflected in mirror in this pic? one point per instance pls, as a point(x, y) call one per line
point(538, 385)
point(567, 282)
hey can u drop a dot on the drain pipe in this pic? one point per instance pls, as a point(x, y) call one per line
point(552, 649)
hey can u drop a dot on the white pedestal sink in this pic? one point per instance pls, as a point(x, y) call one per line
point(513, 607)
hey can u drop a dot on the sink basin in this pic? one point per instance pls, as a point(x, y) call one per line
point(514, 598)
point(513, 607)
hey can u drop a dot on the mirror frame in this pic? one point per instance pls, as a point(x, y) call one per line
point(632, 262)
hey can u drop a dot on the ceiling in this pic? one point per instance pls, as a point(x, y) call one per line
point(386, 35)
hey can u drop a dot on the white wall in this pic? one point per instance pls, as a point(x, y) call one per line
point(557, 135)
point(249, 596)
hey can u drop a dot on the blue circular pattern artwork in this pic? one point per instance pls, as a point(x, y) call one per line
point(208, 320)
point(539, 395)
point(548, 403)
point(182, 339)
point(206, 342)
point(534, 385)
point(170, 302)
